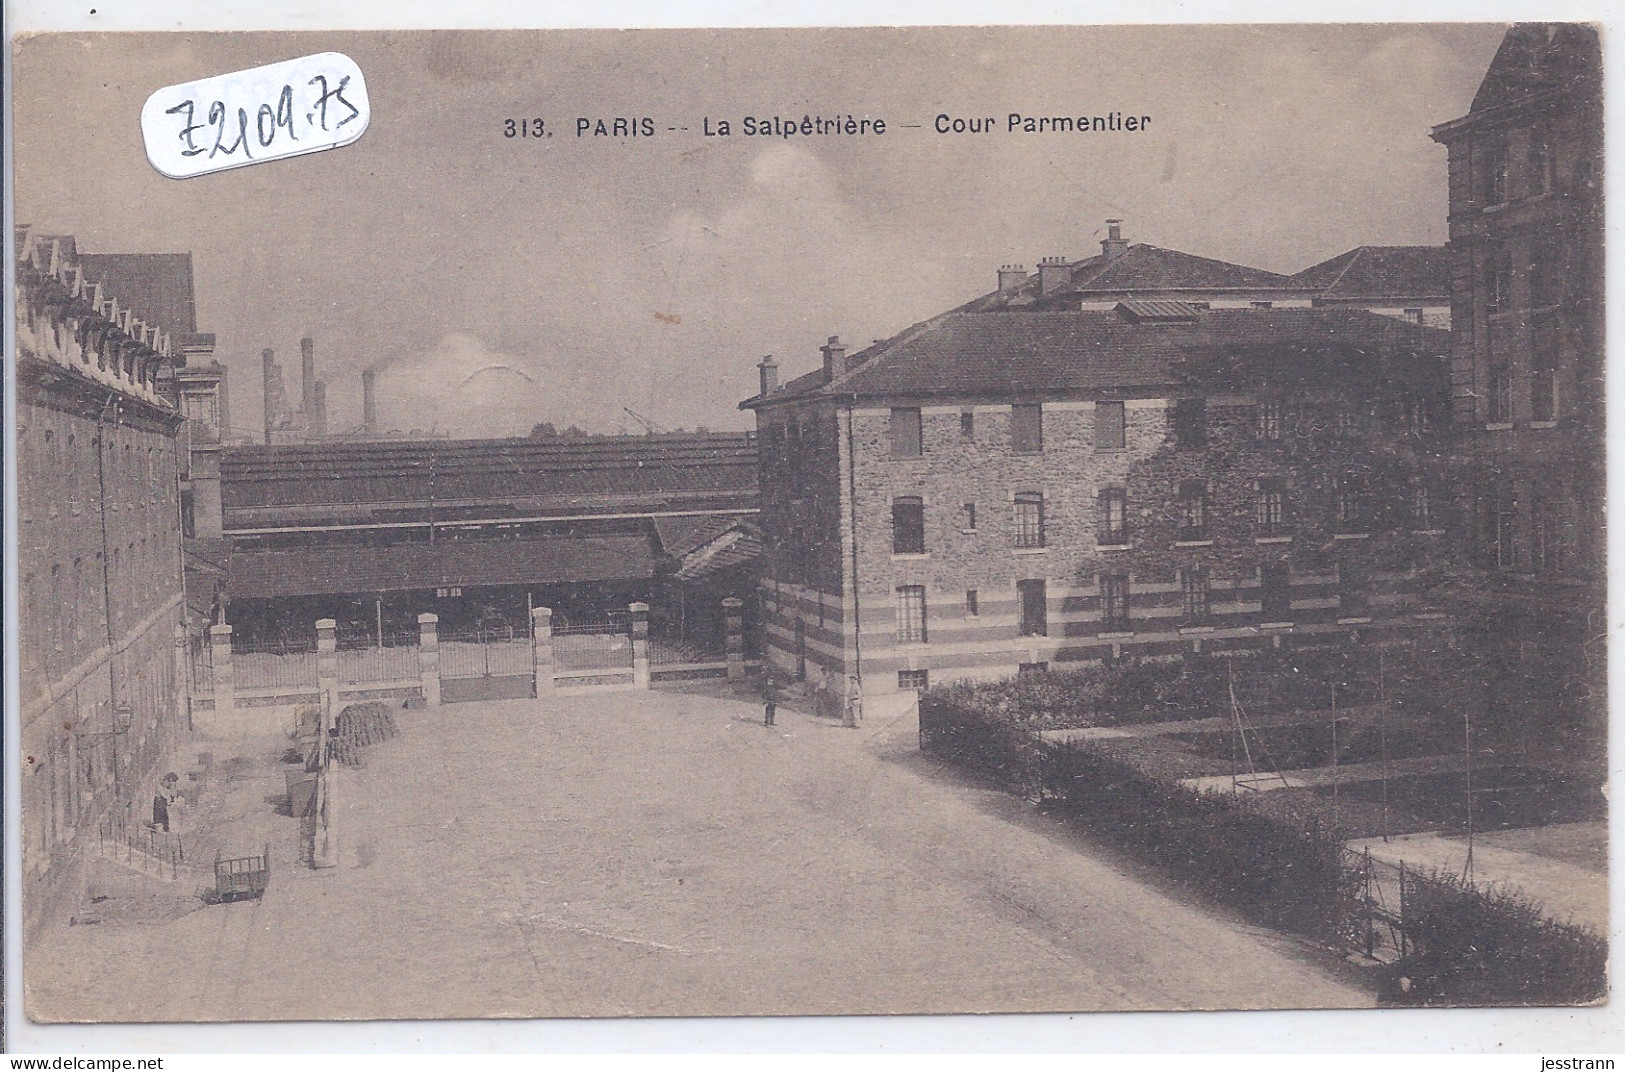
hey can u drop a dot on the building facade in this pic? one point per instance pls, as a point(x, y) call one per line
point(1526, 245)
point(1000, 490)
point(99, 569)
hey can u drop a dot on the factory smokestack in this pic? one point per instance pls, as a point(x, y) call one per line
point(269, 360)
point(307, 382)
point(369, 402)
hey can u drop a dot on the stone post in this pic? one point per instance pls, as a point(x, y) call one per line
point(429, 657)
point(225, 687)
point(640, 645)
point(183, 681)
point(327, 673)
point(541, 642)
point(733, 612)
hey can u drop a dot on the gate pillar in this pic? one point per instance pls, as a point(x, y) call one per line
point(640, 645)
point(541, 645)
point(429, 657)
point(327, 672)
point(733, 612)
point(225, 686)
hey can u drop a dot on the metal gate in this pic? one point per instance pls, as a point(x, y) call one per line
point(486, 663)
point(595, 652)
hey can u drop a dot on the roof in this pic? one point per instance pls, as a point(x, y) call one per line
point(1039, 353)
point(264, 486)
point(157, 286)
point(737, 545)
point(1536, 57)
point(1151, 268)
point(680, 535)
point(1368, 272)
point(347, 569)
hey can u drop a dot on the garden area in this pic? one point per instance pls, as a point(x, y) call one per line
point(1246, 779)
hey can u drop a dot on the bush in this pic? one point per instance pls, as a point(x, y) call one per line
point(1284, 874)
point(1491, 947)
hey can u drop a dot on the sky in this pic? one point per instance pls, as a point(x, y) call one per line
point(497, 283)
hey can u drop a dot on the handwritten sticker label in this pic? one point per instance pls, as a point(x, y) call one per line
point(248, 117)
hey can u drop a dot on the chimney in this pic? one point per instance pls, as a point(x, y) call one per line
point(769, 370)
point(1054, 273)
point(317, 422)
point(268, 358)
point(369, 403)
point(1011, 276)
point(1114, 245)
point(834, 353)
point(307, 381)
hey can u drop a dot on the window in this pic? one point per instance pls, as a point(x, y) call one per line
point(970, 517)
point(1498, 527)
point(1269, 419)
point(1190, 423)
point(1110, 427)
point(1114, 599)
point(1551, 533)
point(1192, 510)
point(1498, 391)
point(1029, 519)
point(1543, 368)
point(905, 433)
point(1193, 593)
point(1539, 159)
point(1353, 590)
point(1414, 315)
point(911, 614)
point(967, 424)
point(908, 525)
point(1415, 417)
point(1351, 503)
point(1421, 507)
point(1498, 281)
point(1027, 428)
point(1275, 582)
point(1113, 516)
point(1033, 608)
point(913, 680)
point(1270, 510)
point(1546, 270)
point(973, 606)
point(1495, 173)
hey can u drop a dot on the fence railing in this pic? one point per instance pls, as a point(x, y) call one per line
point(273, 669)
point(139, 845)
point(366, 666)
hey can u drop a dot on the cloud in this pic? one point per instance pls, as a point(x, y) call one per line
point(462, 388)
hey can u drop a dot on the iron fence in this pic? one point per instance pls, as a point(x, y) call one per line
point(202, 667)
point(273, 666)
point(486, 653)
point(396, 659)
point(140, 845)
point(604, 644)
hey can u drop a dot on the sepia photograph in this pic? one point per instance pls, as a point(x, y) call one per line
point(533, 524)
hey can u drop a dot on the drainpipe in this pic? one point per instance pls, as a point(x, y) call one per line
point(852, 524)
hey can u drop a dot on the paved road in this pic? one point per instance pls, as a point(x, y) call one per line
point(665, 854)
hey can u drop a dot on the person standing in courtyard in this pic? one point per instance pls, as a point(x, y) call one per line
point(770, 698)
point(854, 702)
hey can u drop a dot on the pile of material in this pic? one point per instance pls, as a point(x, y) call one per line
point(358, 726)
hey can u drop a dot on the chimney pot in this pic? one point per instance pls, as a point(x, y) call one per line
point(834, 353)
point(1011, 276)
point(1054, 274)
point(1114, 244)
point(769, 370)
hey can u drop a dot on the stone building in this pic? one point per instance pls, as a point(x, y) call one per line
point(99, 571)
point(1412, 282)
point(1004, 489)
point(1526, 246)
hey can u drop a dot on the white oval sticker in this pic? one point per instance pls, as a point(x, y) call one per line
point(248, 117)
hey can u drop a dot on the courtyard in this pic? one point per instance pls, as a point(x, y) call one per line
point(664, 853)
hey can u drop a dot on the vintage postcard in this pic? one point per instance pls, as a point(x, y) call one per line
point(591, 523)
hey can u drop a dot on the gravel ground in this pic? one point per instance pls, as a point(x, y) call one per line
point(665, 854)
